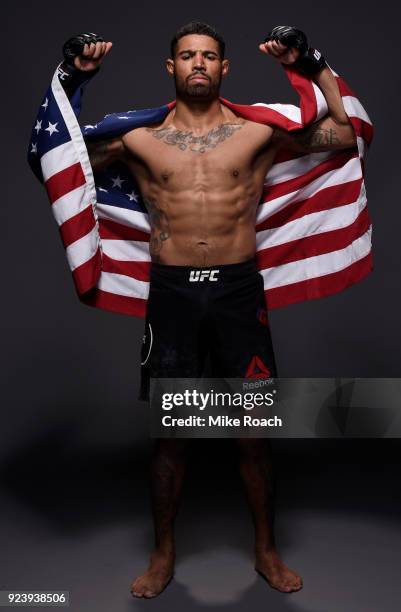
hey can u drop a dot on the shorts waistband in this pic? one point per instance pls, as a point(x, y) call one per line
point(226, 271)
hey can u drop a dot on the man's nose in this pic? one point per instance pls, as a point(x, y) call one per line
point(199, 61)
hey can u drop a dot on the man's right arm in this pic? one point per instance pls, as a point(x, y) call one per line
point(83, 55)
point(104, 152)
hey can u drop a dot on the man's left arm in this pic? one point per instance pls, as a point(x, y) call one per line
point(334, 131)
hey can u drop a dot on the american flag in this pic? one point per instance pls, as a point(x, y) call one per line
point(313, 228)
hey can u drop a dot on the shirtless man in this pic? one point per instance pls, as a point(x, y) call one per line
point(201, 173)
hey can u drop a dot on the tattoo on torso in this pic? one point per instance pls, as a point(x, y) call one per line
point(186, 140)
point(160, 229)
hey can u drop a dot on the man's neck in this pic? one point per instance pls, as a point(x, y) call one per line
point(197, 116)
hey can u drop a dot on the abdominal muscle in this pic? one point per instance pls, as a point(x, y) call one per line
point(199, 228)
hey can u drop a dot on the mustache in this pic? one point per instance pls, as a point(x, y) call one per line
point(198, 74)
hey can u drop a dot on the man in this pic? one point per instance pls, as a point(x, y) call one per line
point(201, 172)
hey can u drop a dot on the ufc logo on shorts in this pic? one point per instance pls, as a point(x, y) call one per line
point(196, 276)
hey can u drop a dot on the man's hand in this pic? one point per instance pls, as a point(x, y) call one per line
point(284, 54)
point(86, 51)
point(290, 46)
point(83, 55)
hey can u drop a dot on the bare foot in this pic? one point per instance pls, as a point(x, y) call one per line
point(156, 577)
point(277, 574)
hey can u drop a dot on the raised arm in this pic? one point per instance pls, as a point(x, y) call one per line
point(332, 132)
point(83, 55)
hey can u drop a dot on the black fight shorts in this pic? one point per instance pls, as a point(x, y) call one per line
point(194, 313)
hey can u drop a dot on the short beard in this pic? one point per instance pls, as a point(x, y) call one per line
point(197, 91)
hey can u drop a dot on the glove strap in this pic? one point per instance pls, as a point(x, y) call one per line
point(310, 63)
point(72, 78)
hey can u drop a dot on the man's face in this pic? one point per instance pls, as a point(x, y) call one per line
point(197, 67)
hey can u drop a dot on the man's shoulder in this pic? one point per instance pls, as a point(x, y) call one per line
point(141, 132)
point(252, 125)
point(257, 134)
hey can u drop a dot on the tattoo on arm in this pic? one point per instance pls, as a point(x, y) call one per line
point(186, 140)
point(318, 137)
point(102, 152)
point(160, 228)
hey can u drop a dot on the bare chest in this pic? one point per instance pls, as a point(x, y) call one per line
point(227, 155)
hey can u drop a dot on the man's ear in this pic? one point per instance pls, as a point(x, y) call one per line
point(170, 66)
point(225, 64)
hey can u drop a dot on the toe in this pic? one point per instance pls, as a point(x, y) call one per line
point(136, 589)
point(295, 586)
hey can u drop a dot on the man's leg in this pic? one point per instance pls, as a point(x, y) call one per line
point(172, 348)
point(243, 348)
point(167, 474)
point(255, 460)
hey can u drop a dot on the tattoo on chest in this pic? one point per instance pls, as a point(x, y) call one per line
point(160, 229)
point(187, 141)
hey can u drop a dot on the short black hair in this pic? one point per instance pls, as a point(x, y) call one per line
point(197, 27)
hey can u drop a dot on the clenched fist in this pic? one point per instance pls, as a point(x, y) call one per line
point(286, 43)
point(86, 51)
point(290, 46)
point(284, 54)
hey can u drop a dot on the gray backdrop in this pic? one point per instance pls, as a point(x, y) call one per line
point(69, 372)
point(63, 360)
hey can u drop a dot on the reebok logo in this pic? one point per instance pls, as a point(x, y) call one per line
point(196, 276)
point(257, 369)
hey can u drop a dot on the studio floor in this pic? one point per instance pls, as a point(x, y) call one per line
point(82, 523)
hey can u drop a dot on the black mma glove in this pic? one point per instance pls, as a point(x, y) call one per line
point(310, 60)
point(71, 77)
